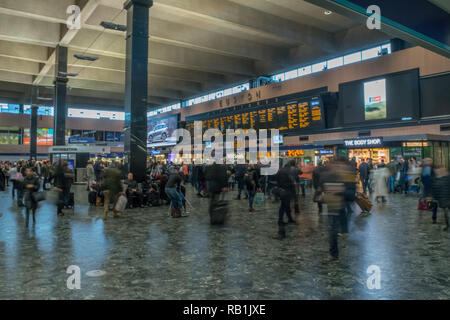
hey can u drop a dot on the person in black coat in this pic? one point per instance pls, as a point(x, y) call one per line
point(252, 185)
point(364, 173)
point(30, 186)
point(286, 191)
point(441, 191)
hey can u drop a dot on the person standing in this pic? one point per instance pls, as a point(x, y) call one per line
point(171, 190)
point(364, 174)
point(441, 191)
point(316, 184)
point(30, 186)
point(62, 183)
point(380, 180)
point(240, 172)
point(98, 168)
point(13, 178)
point(286, 190)
point(403, 177)
point(252, 185)
point(90, 174)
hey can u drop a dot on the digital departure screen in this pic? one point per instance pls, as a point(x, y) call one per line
point(299, 115)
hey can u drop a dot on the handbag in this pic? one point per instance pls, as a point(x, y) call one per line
point(259, 199)
point(121, 203)
point(38, 196)
point(423, 204)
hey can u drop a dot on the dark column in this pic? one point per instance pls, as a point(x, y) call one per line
point(33, 124)
point(59, 120)
point(33, 132)
point(135, 143)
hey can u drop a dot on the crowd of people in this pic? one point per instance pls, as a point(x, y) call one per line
point(335, 184)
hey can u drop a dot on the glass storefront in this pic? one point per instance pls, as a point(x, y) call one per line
point(9, 135)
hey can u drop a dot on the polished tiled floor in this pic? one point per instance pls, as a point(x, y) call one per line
point(147, 255)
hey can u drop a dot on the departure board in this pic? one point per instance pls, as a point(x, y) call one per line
point(245, 120)
point(238, 120)
point(272, 122)
point(282, 118)
point(293, 116)
point(302, 115)
point(223, 123)
point(253, 119)
point(210, 124)
point(216, 123)
point(230, 122)
point(262, 119)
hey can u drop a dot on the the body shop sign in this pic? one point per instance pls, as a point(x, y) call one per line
point(363, 143)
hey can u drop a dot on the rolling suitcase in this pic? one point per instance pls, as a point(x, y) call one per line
point(363, 202)
point(92, 197)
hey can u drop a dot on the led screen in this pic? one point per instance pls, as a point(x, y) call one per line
point(375, 100)
point(162, 132)
point(44, 137)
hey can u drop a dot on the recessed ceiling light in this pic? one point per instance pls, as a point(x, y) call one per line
point(327, 12)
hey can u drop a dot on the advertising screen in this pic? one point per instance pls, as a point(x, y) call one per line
point(391, 97)
point(161, 132)
point(44, 137)
point(375, 100)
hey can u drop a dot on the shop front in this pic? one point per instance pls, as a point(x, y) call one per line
point(303, 154)
point(394, 148)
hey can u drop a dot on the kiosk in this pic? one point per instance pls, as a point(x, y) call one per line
point(77, 156)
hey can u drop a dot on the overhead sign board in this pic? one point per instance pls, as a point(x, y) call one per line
point(79, 149)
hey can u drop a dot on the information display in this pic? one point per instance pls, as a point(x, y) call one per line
point(305, 114)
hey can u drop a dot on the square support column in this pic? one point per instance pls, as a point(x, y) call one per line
point(59, 124)
point(136, 86)
point(33, 124)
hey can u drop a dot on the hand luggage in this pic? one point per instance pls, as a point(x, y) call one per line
point(121, 203)
point(363, 202)
point(259, 199)
point(38, 196)
point(423, 204)
point(98, 201)
point(92, 197)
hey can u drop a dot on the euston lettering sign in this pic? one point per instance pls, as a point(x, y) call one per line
point(362, 143)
